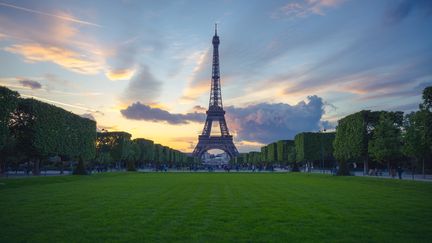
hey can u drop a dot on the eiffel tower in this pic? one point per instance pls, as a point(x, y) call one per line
point(215, 112)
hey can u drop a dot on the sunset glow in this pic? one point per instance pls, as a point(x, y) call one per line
point(292, 65)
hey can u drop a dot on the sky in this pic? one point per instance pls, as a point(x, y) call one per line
point(144, 67)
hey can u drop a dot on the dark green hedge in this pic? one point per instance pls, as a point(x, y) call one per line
point(146, 149)
point(42, 130)
point(116, 143)
point(46, 130)
point(283, 150)
point(8, 103)
point(311, 146)
point(352, 137)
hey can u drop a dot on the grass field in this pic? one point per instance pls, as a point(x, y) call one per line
point(214, 207)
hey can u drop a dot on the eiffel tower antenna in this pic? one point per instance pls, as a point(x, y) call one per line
point(215, 112)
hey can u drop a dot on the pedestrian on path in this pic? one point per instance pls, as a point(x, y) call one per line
point(400, 171)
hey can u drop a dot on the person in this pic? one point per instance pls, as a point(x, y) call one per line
point(393, 172)
point(400, 171)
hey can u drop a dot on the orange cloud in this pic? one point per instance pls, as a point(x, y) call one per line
point(57, 40)
point(120, 74)
point(197, 85)
point(245, 145)
point(66, 58)
point(193, 92)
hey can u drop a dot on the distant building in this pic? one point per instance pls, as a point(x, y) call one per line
point(215, 159)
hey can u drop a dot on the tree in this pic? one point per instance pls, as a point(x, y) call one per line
point(133, 155)
point(427, 99)
point(310, 146)
point(146, 150)
point(42, 130)
point(8, 103)
point(352, 137)
point(286, 153)
point(103, 158)
point(158, 154)
point(282, 151)
point(240, 160)
point(115, 143)
point(292, 158)
point(307, 147)
point(385, 144)
point(272, 153)
point(418, 136)
point(264, 154)
point(254, 157)
point(418, 131)
point(314, 146)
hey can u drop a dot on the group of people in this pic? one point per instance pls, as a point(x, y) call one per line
point(392, 172)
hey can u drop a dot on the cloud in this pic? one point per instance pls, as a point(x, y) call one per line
point(60, 37)
point(405, 107)
point(62, 17)
point(194, 91)
point(199, 109)
point(402, 9)
point(244, 64)
point(305, 8)
point(88, 116)
point(254, 124)
point(58, 41)
point(87, 109)
point(391, 91)
point(63, 43)
point(200, 78)
point(246, 146)
point(124, 59)
point(31, 84)
point(138, 111)
point(265, 122)
point(188, 143)
point(120, 74)
point(380, 64)
point(66, 58)
point(101, 128)
point(142, 87)
point(127, 53)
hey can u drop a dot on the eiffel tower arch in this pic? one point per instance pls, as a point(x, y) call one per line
point(215, 112)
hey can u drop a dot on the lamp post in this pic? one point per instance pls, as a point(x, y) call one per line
point(322, 149)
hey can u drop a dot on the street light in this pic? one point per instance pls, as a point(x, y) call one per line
point(322, 150)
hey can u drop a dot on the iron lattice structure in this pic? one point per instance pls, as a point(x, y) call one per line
point(215, 112)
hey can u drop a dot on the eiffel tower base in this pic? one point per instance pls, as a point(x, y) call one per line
point(224, 143)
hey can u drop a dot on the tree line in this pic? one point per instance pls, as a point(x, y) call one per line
point(386, 138)
point(117, 148)
point(306, 148)
point(374, 139)
point(33, 132)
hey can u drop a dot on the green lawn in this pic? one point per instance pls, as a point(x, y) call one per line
point(214, 207)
